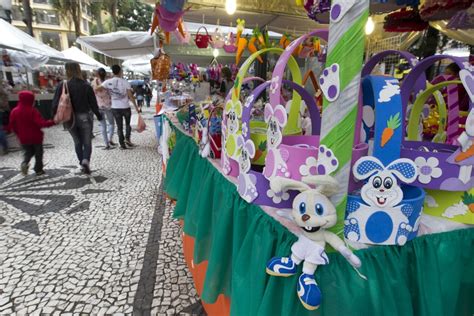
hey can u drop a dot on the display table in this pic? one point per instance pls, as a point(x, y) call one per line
point(228, 242)
point(43, 102)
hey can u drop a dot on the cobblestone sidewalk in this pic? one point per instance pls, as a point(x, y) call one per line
point(102, 244)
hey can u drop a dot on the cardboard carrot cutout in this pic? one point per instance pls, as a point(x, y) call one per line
point(240, 29)
point(392, 124)
point(252, 48)
point(241, 45)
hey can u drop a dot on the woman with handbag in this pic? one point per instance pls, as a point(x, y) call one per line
point(77, 94)
point(105, 107)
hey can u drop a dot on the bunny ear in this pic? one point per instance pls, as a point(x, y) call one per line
point(238, 108)
point(404, 169)
point(250, 147)
point(240, 141)
point(366, 167)
point(280, 115)
point(325, 184)
point(280, 184)
point(268, 112)
point(228, 106)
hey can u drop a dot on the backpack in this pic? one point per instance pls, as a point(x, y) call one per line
point(65, 113)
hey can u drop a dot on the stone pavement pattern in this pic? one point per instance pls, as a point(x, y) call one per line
point(70, 243)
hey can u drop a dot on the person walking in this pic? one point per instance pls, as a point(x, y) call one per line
point(105, 103)
point(3, 115)
point(227, 82)
point(83, 103)
point(140, 96)
point(148, 94)
point(121, 94)
point(26, 122)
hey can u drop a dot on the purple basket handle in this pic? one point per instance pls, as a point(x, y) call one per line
point(305, 95)
point(281, 66)
point(409, 82)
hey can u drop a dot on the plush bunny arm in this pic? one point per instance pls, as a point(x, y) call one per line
point(339, 245)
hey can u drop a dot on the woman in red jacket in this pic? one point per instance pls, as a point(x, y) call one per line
point(26, 122)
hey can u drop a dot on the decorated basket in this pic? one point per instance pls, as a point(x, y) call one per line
point(202, 40)
point(445, 169)
point(160, 66)
point(386, 212)
point(253, 185)
point(233, 110)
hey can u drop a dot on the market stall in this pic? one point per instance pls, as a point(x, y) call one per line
point(359, 199)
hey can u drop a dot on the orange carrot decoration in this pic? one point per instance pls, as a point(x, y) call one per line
point(240, 49)
point(240, 28)
point(465, 154)
point(181, 28)
point(392, 124)
point(252, 48)
point(468, 200)
point(283, 40)
point(167, 37)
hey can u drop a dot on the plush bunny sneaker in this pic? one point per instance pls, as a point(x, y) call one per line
point(314, 213)
point(381, 220)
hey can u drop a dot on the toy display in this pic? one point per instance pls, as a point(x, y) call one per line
point(314, 213)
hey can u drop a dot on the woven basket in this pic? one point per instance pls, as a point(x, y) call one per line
point(160, 67)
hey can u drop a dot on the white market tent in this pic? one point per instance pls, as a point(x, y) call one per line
point(15, 39)
point(86, 61)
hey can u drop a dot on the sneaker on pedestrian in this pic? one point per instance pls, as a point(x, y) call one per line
point(40, 173)
point(308, 291)
point(85, 167)
point(24, 169)
point(107, 147)
point(129, 143)
point(111, 143)
point(123, 147)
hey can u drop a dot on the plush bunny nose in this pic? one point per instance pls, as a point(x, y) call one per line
point(305, 217)
point(382, 190)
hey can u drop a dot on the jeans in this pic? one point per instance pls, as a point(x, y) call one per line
point(107, 125)
point(33, 150)
point(3, 139)
point(119, 115)
point(148, 100)
point(81, 134)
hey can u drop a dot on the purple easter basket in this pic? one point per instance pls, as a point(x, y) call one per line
point(253, 185)
point(438, 164)
point(229, 44)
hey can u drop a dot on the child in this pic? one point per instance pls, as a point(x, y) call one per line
point(26, 122)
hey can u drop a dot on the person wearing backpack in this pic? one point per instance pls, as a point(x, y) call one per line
point(77, 95)
point(26, 122)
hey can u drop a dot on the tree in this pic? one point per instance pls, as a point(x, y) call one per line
point(70, 10)
point(111, 7)
point(134, 15)
point(96, 10)
point(28, 16)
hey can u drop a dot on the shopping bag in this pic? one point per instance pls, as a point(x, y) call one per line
point(141, 126)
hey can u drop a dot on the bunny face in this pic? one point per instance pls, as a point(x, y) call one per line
point(276, 120)
point(382, 189)
point(247, 152)
point(233, 111)
point(313, 211)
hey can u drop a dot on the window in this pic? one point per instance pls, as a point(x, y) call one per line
point(52, 39)
point(46, 17)
point(71, 39)
point(85, 25)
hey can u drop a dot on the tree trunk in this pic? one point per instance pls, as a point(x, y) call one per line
point(76, 17)
point(28, 19)
point(98, 19)
point(113, 14)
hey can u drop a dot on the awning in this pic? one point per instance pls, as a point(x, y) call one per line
point(86, 61)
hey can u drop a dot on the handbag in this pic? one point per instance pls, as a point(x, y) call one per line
point(218, 40)
point(160, 66)
point(65, 113)
point(202, 40)
point(229, 45)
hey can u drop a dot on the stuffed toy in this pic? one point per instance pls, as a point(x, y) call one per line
point(314, 213)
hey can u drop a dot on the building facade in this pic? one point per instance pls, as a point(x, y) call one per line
point(48, 26)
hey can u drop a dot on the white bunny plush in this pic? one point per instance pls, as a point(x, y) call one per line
point(314, 213)
point(381, 220)
point(204, 144)
point(276, 158)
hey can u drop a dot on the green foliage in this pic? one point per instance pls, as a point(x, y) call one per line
point(134, 15)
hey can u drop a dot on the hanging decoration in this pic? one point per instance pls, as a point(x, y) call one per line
point(405, 20)
point(168, 17)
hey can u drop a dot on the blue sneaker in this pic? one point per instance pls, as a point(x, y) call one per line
point(281, 266)
point(308, 292)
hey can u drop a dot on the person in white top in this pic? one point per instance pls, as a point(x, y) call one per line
point(121, 94)
point(105, 103)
